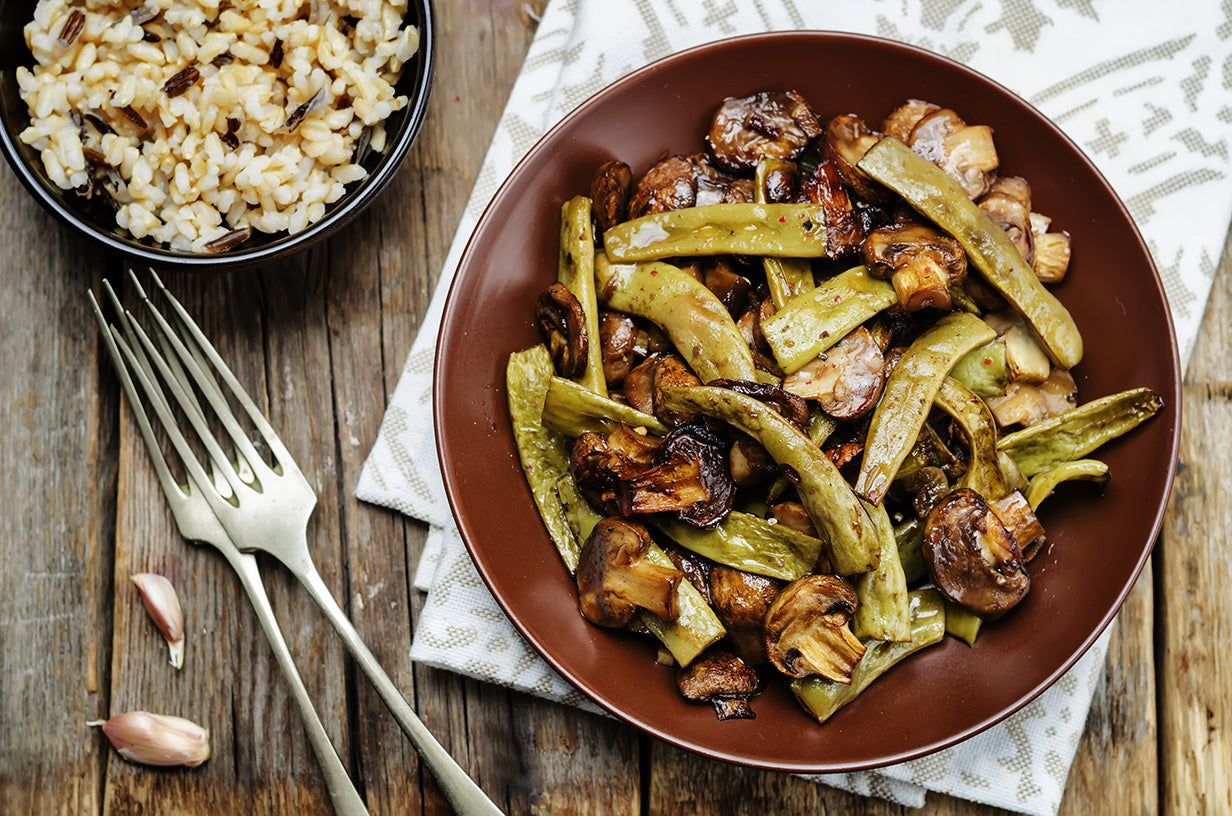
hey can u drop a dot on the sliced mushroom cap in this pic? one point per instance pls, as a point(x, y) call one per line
point(729, 286)
point(807, 630)
point(643, 386)
point(618, 345)
point(1027, 404)
point(669, 185)
point(1052, 253)
point(780, 182)
point(615, 579)
point(1020, 520)
point(773, 124)
point(600, 465)
point(903, 119)
point(846, 141)
point(927, 486)
point(791, 407)
point(964, 151)
point(1025, 358)
point(922, 263)
point(722, 679)
point(793, 516)
point(1008, 204)
point(846, 380)
point(609, 194)
point(971, 557)
point(751, 464)
point(562, 324)
point(741, 599)
point(825, 187)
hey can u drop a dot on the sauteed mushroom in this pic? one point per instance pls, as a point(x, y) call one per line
point(843, 231)
point(669, 185)
point(741, 600)
point(722, 679)
point(773, 124)
point(618, 341)
point(609, 193)
point(971, 557)
point(846, 380)
point(806, 629)
point(964, 151)
point(1008, 204)
point(903, 118)
point(645, 383)
point(615, 579)
point(562, 323)
point(922, 263)
point(846, 141)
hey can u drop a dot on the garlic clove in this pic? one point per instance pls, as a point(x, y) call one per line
point(157, 739)
point(163, 605)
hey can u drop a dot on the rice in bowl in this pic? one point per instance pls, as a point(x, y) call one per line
point(204, 121)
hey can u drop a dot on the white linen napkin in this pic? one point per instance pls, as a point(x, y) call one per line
point(1140, 86)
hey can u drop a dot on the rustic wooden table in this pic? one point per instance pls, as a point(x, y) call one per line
point(321, 339)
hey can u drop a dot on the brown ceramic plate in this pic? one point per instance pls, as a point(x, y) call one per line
point(1099, 542)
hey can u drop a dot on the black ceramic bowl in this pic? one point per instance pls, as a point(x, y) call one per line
point(95, 220)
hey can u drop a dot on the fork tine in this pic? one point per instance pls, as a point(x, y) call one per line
point(284, 463)
point(169, 484)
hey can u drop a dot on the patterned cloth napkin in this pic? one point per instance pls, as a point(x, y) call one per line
point(1141, 87)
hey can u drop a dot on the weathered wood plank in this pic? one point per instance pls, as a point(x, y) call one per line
point(1194, 568)
point(57, 454)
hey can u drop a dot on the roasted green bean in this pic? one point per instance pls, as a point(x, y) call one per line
point(883, 612)
point(576, 270)
point(778, 230)
point(750, 543)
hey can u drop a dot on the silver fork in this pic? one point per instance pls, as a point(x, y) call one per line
point(266, 508)
point(197, 522)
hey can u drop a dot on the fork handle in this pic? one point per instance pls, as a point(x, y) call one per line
point(466, 797)
point(346, 800)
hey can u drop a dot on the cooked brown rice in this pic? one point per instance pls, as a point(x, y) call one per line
point(199, 118)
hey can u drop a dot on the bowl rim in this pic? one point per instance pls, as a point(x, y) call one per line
point(286, 244)
point(1172, 400)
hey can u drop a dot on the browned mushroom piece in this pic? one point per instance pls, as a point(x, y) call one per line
point(846, 380)
point(926, 486)
point(921, 262)
point(843, 452)
point(562, 324)
point(1008, 204)
point(644, 384)
point(669, 185)
point(781, 182)
point(729, 286)
point(1052, 250)
point(1027, 403)
point(1025, 358)
point(722, 679)
point(750, 462)
point(740, 600)
point(903, 119)
point(740, 191)
point(615, 578)
point(806, 629)
point(692, 460)
point(750, 324)
point(609, 195)
point(774, 124)
point(971, 557)
point(793, 516)
point(791, 407)
point(825, 187)
point(695, 568)
point(618, 346)
point(847, 139)
point(964, 151)
point(1020, 520)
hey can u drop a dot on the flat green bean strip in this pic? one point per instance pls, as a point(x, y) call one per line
point(821, 697)
point(983, 474)
point(835, 511)
point(882, 613)
point(1078, 431)
point(819, 318)
point(695, 629)
point(962, 623)
point(820, 426)
point(777, 230)
point(786, 277)
point(908, 397)
point(695, 320)
point(1043, 483)
point(937, 196)
point(909, 536)
point(984, 370)
point(544, 454)
point(576, 271)
point(572, 409)
point(749, 543)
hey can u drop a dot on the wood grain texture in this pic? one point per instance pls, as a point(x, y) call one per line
point(320, 340)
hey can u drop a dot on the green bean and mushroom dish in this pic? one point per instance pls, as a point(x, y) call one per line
point(801, 395)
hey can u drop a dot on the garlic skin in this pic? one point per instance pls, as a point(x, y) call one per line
point(163, 605)
point(157, 739)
